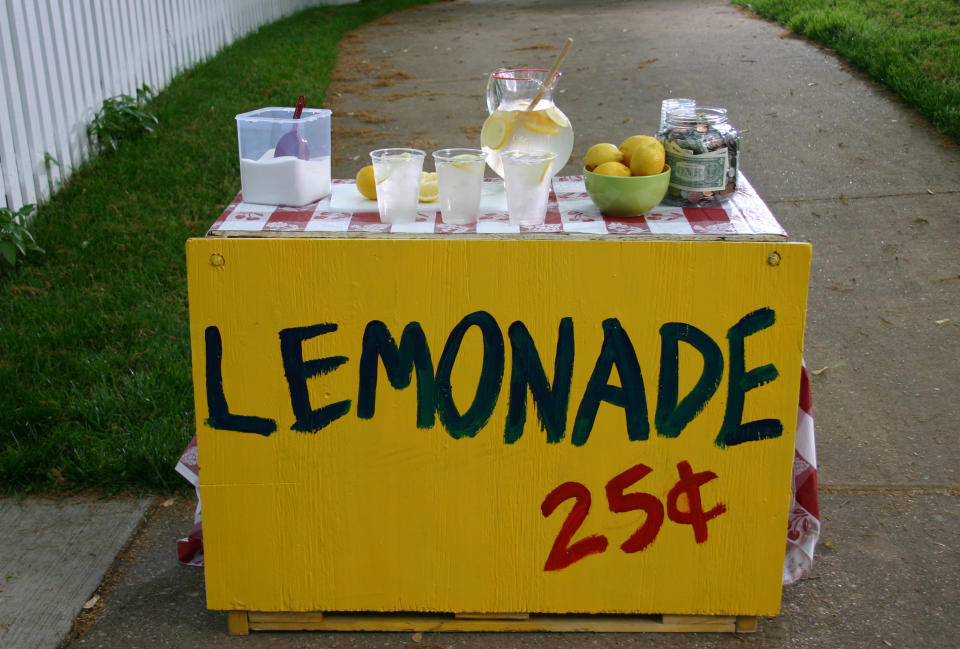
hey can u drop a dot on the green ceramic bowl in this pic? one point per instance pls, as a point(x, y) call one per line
point(621, 196)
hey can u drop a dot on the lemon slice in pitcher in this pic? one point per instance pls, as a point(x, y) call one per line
point(539, 122)
point(557, 116)
point(495, 132)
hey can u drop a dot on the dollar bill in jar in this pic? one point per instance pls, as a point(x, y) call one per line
point(703, 151)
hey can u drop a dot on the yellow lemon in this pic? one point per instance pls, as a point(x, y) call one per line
point(366, 184)
point(647, 158)
point(429, 189)
point(600, 153)
point(495, 131)
point(632, 142)
point(612, 169)
point(628, 146)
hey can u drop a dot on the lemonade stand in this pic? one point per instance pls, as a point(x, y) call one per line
point(585, 423)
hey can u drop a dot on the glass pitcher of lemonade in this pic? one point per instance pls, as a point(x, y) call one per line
point(517, 123)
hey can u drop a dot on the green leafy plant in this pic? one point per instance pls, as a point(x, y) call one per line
point(122, 118)
point(15, 238)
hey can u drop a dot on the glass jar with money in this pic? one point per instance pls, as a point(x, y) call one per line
point(703, 151)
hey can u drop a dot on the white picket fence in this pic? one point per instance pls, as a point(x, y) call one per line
point(59, 59)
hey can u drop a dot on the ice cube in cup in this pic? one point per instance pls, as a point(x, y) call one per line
point(460, 179)
point(526, 181)
point(397, 175)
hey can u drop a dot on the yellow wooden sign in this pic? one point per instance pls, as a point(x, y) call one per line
point(495, 425)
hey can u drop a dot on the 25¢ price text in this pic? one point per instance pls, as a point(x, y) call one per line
point(567, 551)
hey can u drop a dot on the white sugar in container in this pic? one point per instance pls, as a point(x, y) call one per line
point(301, 175)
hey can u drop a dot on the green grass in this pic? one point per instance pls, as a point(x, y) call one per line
point(95, 386)
point(911, 46)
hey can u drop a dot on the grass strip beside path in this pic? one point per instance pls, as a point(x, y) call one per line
point(95, 384)
point(911, 46)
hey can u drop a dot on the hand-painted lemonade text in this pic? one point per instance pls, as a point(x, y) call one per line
point(552, 400)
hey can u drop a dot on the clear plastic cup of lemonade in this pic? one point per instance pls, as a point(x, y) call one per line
point(526, 181)
point(460, 179)
point(397, 174)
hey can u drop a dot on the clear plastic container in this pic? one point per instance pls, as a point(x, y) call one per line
point(301, 173)
point(703, 151)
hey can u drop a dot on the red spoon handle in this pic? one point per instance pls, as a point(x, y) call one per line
point(301, 102)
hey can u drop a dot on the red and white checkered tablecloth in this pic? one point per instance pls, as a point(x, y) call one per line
point(569, 211)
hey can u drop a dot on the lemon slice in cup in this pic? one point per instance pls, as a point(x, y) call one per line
point(546, 168)
point(468, 161)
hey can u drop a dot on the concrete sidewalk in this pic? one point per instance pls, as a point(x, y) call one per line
point(55, 555)
point(841, 162)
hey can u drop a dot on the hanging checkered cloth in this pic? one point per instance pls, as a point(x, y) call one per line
point(190, 549)
point(803, 528)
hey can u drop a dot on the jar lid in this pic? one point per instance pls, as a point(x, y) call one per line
point(690, 116)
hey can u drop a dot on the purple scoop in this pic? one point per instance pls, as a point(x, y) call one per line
point(291, 143)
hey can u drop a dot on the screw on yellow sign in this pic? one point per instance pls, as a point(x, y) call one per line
point(496, 425)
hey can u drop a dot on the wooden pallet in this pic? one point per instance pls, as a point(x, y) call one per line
point(242, 622)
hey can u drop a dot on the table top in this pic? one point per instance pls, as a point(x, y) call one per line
point(570, 214)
